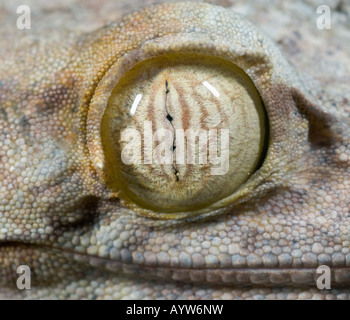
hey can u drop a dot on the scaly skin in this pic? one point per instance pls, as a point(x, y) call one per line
point(58, 216)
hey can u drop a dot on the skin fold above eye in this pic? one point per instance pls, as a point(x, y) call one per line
point(82, 238)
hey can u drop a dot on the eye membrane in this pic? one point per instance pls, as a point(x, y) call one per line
point(182, 131)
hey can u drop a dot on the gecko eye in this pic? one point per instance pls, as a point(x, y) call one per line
point(192, 116)
point(181, 132)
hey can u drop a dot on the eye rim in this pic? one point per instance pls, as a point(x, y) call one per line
point(265, 76)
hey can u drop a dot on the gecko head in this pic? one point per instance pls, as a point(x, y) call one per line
point(105, 193)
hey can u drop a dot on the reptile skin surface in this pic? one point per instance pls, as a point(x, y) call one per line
point(81, 241)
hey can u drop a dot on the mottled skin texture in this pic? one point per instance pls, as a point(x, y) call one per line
point(58, 216)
